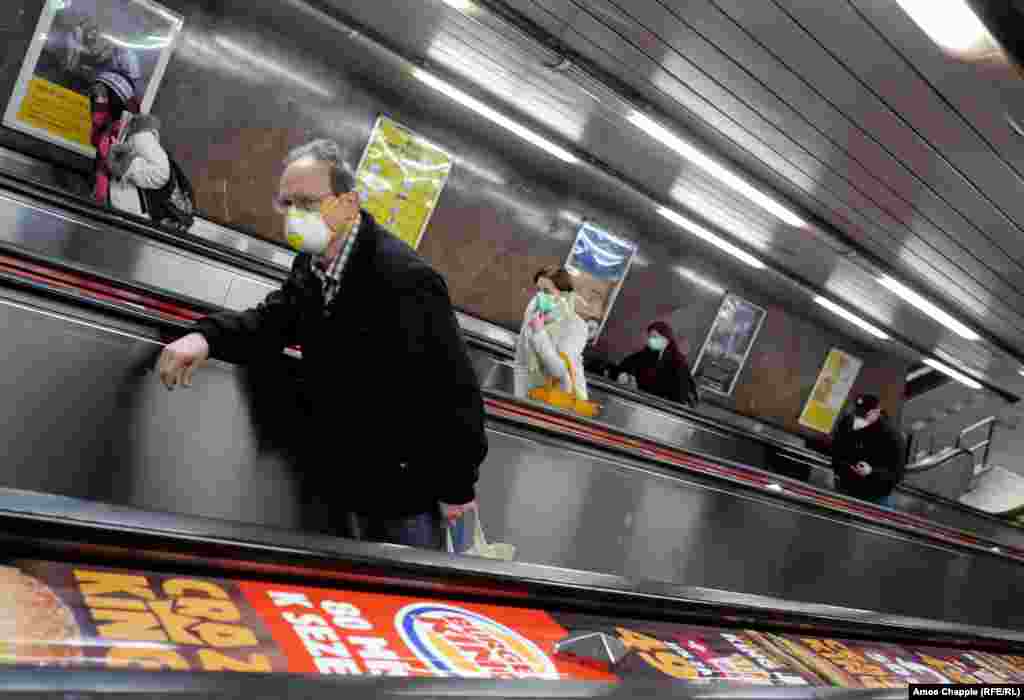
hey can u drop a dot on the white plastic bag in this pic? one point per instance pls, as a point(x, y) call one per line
point(481, 547)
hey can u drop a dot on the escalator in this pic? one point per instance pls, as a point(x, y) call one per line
point(133, 602)
point(217, 268)
point(85, 418)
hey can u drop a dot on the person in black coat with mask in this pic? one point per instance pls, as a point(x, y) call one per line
point(660, 368)
point(868, 456)
point(396, 435)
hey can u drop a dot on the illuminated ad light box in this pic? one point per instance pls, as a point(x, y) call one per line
point(73, 43)
point(400, 179)
point(598, 263)
point(830, 391)
point(728, 344)
point(76, 616)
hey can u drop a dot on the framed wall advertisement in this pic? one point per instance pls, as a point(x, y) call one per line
point(400, 179)
point(728, 344)
point(75, 40)
point(830, 391)
point(599, 263)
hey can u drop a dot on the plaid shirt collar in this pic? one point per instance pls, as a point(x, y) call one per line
point(330, 272)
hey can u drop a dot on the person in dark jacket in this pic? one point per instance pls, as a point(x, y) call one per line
point(867, 455)
point(660, 368)
point(397, 426)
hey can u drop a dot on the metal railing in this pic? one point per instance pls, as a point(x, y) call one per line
point(990, 425)
point(937, 458)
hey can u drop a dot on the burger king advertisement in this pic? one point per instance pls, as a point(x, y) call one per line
point(69, 616)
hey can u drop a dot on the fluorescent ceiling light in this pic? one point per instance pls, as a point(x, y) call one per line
point(949, 371)
point(461, 5)
point(949, 23)
point(272, 67)
point(852, 318)
point(499, 119)
point(700, 281)
point(916, 374)
point(686, 150)
point(703, 233)
point(915, 299)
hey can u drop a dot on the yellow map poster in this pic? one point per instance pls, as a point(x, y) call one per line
point(830, 391)
point(58, 111)
point(400, 179)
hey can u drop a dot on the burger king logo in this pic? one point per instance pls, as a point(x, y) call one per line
point(456, 642)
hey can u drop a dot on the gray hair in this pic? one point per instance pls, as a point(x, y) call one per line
point(326, 151)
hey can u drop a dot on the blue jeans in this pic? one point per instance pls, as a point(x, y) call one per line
point(886, 501)
point(422, 530)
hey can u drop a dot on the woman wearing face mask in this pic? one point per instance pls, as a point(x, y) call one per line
point(660, 368)
point(129, 157)
point(552, 333)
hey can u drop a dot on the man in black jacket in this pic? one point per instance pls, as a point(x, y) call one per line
point(397, 430)
point(867, 456)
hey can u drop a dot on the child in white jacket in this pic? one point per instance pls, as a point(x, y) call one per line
point(551, 329)
point(129, 156)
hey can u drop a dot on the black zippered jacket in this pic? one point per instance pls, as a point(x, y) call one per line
point(397, 416)
point(878, 445)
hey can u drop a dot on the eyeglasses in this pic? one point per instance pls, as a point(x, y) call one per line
point(283, 204)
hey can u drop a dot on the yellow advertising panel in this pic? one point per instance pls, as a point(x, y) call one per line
point(400, 179)
point(830, 391)
point(56, 110)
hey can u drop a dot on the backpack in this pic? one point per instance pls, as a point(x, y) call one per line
point(173, 205)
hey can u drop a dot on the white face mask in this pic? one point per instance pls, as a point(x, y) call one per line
point(860, 423)
point(657, 343)
point(307, 232)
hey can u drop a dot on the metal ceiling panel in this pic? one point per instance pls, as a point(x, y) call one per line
point(834, 81)
point(884, 71)
point(936, 263)
point(861, 204)
point(985, 91)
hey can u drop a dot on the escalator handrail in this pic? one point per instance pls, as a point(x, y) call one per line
point(655, 404)
point(49, 519)
point(594, 433)
point(930, 463)
point(19, 186)
point(832, 501)
point(50, 195)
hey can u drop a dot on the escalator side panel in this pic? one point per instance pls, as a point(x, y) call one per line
point(82, 417)
point(595, 514)
point(43, 231)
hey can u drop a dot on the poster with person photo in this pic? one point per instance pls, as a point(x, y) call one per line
point(728, 344)
point(598, 263)
point(77, 40)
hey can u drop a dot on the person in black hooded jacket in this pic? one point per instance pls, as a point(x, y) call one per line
point(396, 435)
point(660, 368)
point(868, 456)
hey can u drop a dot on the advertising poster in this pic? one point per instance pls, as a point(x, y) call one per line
point(728, 345)
point(963, 667)
point(598, 263)
point(849, 664)
point(659, 651)
point(76, 40)
point(77, 616)
point(830, 391)
point(400, 179)
point(64, 615)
